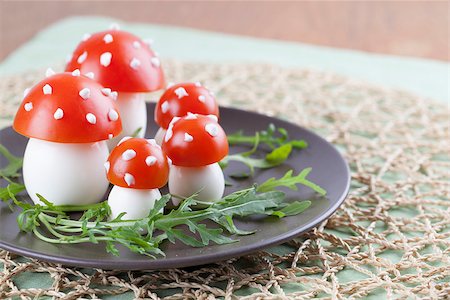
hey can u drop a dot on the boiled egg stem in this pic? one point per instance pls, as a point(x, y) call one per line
point(65, 173)
point(135, 203)
point(207, 182)
point(133, 113)
point(160, 135)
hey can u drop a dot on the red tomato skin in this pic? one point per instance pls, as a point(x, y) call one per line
point(203, 150)
point(146, 177)
point(73, 127)
point(119, 75)
point(191, 103)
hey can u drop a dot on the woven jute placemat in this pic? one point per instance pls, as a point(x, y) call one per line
point(391, 238)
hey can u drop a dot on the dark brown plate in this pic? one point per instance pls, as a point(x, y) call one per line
point(329, 170)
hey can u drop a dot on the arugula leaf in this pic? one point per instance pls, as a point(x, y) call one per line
point(291, 182)
point(272, 137)
point(292, 209)
point(14, 164)
point(12, 188)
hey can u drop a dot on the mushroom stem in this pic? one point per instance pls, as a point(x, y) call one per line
point(160, 135)
point(65, 173)
point(133, 113)
point(207, 182)
point(136, 203)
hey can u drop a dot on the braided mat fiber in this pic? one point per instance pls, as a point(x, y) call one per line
point(390, 239)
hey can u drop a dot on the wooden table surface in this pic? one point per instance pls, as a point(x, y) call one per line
point(419, 29)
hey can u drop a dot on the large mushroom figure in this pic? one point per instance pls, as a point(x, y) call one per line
point(68, 120)
point(180, 99)
point(138, 168)
point(128, 67)
point(195, 144)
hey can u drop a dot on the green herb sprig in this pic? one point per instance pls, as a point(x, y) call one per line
point(52, 224)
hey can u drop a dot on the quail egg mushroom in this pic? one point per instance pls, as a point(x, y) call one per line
point(137, 168)
point(129, 68)
point(178, 100)
point(195, 144)
point(68, 120)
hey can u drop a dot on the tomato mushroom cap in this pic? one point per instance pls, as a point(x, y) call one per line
point(195, 141)
point(137, 163)
point(182, 98)
point(67, 108)
point(119, 60)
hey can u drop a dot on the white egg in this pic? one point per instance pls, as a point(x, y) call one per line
point(160, 135)
point(65, 174)
point(207, 181)
point(136, 203)
point(133, 113)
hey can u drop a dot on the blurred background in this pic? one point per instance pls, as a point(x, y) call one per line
point(407, 28)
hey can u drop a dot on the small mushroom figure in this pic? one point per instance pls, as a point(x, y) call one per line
point(126, 64)
point(68, 120)
point(195, 144)
point(138, 168)
point(178, 100)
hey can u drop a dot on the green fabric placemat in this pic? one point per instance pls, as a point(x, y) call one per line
point(425, 77)
point(363, 270)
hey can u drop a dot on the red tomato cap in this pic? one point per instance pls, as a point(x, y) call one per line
point(119, 60)
point(137, 163)
point(182, 98)
point(195, 141)
point(67, 108)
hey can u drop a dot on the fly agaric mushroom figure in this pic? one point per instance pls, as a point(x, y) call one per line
point(138, 168)
point(178, 100)
point(196, 144)
point(68, 119)
point(123, 62)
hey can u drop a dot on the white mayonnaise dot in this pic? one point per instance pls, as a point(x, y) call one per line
point(91, 118)
point(135, 63)
point(85, 37)
point(106, 91)
point(49, 72)
point(28, 106)
point(114, 26)
point(155, 62)
point(110, 136)
point(150, 160)
point(76, 72)
point(213, 117)
point(107, 166)
point(181, 92)
point(202, 98)
point(82, 57)
point(108, 38)
point(113, 115)
point(59, 114)
point(129, 179)
point(105, 59)
point(85, 93)
point(128, 154)
point(136, 45)
point(25, 92)
point(188, 138)
point(90, 75)
point(114, 95)
point(168, 135)
point(212, 129)
point(47, 89)
point(165, 107)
